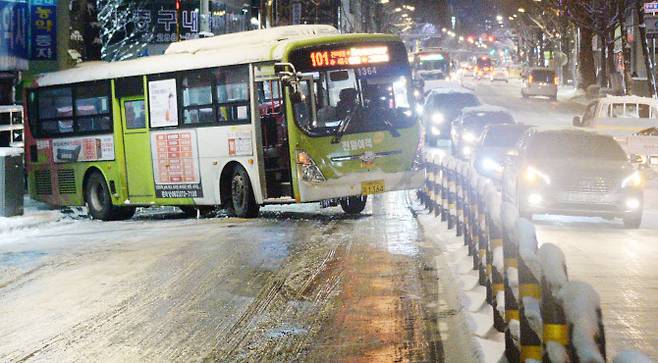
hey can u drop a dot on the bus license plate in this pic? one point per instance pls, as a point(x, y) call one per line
point(372, 187)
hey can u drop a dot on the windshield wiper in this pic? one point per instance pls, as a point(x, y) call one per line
point(342, 127)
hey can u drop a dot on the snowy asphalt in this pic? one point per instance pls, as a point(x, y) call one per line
point(620, 264)
point(298, 284)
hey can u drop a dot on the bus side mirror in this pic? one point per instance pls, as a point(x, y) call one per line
point(286, 73)
point(577, 121)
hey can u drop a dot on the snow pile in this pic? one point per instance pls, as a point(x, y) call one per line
point(494, 204)
point(10, 151)
point(553, 265)
point(582, 308)
point(532, 312)
point(527, 240)
point(556, 352)
point(509, 215)
point(628, 356)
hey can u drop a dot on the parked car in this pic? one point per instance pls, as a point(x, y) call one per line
point(573, 172)
point(540, 82)
point(495, 143)
point(631, 120)
point(500, 74)
point(442, 105)
point(466, 128)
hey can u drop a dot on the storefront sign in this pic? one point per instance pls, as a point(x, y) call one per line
point(43, 19)
point(13, 35)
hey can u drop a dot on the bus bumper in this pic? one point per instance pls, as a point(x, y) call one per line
point(359, 183)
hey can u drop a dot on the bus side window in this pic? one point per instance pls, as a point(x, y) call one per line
point(232, 94)
point(644, 111)
point(92, 107)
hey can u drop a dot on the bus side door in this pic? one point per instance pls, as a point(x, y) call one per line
point(137, 146)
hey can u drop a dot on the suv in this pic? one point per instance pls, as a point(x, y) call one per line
point(540, 82)
point(573, 172)
point(442, 105)
point(466, 129)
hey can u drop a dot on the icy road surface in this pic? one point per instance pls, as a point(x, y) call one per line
point(299, 283)
point(622, 265)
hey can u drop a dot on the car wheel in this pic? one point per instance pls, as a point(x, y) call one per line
point(98, 199)
point(354, 205)
point(242, 202)
point(632, 221)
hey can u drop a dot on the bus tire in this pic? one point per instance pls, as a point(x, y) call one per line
point(354, 205)
point(242, 202)
point(98, 199)
point(125, 213)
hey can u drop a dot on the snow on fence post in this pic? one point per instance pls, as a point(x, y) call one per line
point(459, 168)
point(495, 229)
point(435, 187)
point(482, 234)
point(470, 227)
point(582, 309)
point(426, 197)
point(509, 215)
point(530, 320)
point(444, 190)
point(452, 194)
point(554, 276)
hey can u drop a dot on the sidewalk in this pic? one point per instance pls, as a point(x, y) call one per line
point(35, 215)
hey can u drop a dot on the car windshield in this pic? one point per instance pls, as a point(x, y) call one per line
point(375, 98)
point(503, 136)
point(541, 75)
point(575, 146)
point(476, 121)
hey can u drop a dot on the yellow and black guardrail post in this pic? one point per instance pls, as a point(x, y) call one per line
point(554, 276)
point(529, 288)
point(511, 267)
point(452, 195)
point(459, 199)
point(444, 190)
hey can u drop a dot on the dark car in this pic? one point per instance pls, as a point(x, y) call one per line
point(573, 172)
point(495, 143)
point(443, 105)
point(466, 129)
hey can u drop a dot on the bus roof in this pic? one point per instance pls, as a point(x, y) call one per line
point(234, 48)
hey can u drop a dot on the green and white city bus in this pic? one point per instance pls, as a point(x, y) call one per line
point(284, 115)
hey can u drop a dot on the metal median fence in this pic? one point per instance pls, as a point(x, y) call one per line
point(545, 317)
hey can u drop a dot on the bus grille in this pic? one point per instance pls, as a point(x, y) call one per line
point(66, 181)
point(43, 185)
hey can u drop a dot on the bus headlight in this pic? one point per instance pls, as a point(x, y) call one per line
point(310, 172)
point(438, 118)
point(633, 180)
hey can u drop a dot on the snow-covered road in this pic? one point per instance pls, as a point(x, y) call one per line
point(622, 265)
point(297, 284)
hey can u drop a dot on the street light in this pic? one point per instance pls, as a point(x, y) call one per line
point(521, 10)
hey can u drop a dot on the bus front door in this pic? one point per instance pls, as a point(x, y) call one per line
point(137, 146)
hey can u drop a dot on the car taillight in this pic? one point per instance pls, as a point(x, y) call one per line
point(530, 78)
point(555, 80)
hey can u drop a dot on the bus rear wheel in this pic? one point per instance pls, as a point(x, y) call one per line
point(191, 211)
point(354, 205)
point(98, 199)
point(242, 202)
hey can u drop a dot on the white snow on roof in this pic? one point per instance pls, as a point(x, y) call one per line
point(237, 48)
point(10, 151)
point(450, 89)
point(261, 37)
point(484, 108)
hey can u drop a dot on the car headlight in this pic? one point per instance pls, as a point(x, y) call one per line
point(468, 137)
point(419, 109)
point(491, 165)
point(532, 175)
point(310, 172)
point(633, 180)
point(438, 118)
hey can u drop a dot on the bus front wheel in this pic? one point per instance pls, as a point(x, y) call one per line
point(98, 199)
point(242, 203)
point(354, 205)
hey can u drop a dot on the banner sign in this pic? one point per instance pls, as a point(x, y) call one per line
point(43, 41)
point(13, 35)
point(89, 148)
point(175, 164)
